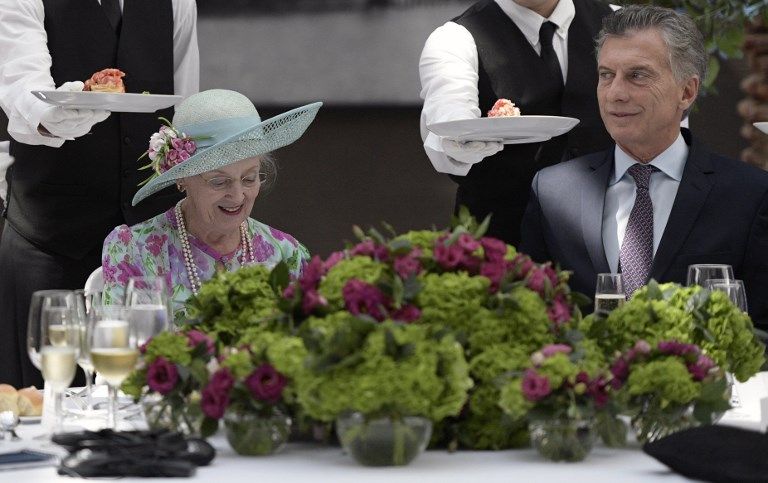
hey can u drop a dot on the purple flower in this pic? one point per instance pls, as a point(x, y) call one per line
point(467, 243)
point(552, 349)
point(177, 143)
point(312, 274)
point(495, 272)
point(598, 389)
point(371, 249)
point(289, 292)
point(312, 299)
point(214, 401)
point(495, 249)
point(332, 260)
point(406, 313)
point(559, 312)
point(620, 371)
point(676, 348)
point(535, 387)
point(266, 384)
point(195, 338)
point(162, 375)
point(172, 156)
point(183, 155)
point(222, 380)
point(541, 279)
point(364, 298)
point(124, 234)
point(449, 257)
point(701, 368)
point(190, 146)
point(155, 243)
point(406, 266)
point(523, 264)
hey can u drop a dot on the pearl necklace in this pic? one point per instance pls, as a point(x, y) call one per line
point(189, 263)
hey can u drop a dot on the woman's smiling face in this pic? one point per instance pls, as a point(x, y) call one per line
point(223, 198)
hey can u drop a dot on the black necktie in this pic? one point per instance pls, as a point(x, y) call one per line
point(546, 32)
point(113, 13)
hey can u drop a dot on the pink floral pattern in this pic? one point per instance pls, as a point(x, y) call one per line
point(154, 248)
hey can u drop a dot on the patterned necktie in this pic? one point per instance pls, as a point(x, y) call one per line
point(636, 253)
point(546, 32)
point(112, 10)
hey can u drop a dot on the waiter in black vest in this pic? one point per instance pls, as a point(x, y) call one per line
point(75, 171)
point(540, 54)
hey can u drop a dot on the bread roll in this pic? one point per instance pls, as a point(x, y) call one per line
point(30, 402)
point(9, 398)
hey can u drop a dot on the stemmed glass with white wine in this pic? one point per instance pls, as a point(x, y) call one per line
point(609, 293)
point(147, 297)
point(53, 342)
point(699, 273)
point(114, 351)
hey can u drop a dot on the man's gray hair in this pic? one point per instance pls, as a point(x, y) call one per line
point(687, 56)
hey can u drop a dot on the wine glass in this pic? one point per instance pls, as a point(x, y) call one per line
point(609, 293)
point(150, 311)
point(87, 304)
point(53, 343)
point(733, 288)
point(114, 352)
point(699, 273)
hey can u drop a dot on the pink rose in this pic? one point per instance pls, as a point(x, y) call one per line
point(559, 312)
point(214, 401)
point(172, 156)
point(406, 313)
point(524, 264)
point(495, 249)
point(332, 260)
point(467, 242)
point(162, 375)
point(183, 155)
point(406, 266)
point(552, 349)
point(701, 368)
point(196, 338)
point(364, 298)
point(495, 272)
point(535, 387)
point(177, 143)
point(311, 300)
point(266, 384)
point(190, 146)
point(312, 274)
point(289, 292)
point(449, 257)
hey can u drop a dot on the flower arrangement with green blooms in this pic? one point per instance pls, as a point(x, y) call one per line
point(558, 383)
point(176, 367)
point(380, 369)
point(498, 303)
point(669, 386)
point(232, 302)
point(691, 315)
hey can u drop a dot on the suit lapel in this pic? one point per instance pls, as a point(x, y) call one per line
point(592, 201)
point(691, 195)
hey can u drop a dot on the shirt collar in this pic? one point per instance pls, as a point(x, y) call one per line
point(529, 22)
point(670, 162)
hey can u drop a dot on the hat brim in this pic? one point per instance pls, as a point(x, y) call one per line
point(254, 140)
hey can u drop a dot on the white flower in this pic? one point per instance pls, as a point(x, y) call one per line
point(212, 366)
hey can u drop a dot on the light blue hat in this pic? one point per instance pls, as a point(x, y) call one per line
point(227, 128)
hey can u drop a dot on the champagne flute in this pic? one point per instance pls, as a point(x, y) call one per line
point(733, 288)
point(86, 304)
point(150, 309)
point(113, 351)
point(699, 273)
point(609, 293)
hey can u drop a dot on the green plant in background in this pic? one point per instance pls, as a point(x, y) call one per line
point(721, 22)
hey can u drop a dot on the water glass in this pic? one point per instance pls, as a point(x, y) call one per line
point(150, 309)
point(698, 274)
point(733, 288)
point(609, 293)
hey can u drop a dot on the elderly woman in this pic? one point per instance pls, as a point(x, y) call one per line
point(216, 151)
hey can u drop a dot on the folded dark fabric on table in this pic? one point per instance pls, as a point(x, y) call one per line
point(132, 453)
point(714, 453)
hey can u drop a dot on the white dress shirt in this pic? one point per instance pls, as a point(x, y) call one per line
point(620, 196)
point(25, 63)
point(448, 69)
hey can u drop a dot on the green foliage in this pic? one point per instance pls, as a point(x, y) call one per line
point(668, 379)
point(360, 268)
point(382, 369)
point(232, 301)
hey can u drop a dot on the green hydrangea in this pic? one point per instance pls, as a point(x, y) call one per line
point(497, 359)
point(232, 301)
point(239, 363)
point(486, 426)
point(451, 299)
point(360, 267)
point(424, 376)
point(668, 379)
point(285, 352)
point(170, 345)
point(558, 369)
point(423, 239)
point(512, 400)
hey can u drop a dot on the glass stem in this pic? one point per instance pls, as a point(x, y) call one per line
point(112, 411)
point(58, 413)
point(88, 390)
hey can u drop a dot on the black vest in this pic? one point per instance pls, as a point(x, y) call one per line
point(66, 200)
point(510, 68)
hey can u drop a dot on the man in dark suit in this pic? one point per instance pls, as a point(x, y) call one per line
point(657, 201)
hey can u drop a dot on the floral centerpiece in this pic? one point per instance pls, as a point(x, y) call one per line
point(560, 393)
point(498, 303)
point(668, 387)
point(383, 383)
point(175, 368)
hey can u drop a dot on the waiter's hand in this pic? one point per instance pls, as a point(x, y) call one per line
point(470, 152)
point(70, 123)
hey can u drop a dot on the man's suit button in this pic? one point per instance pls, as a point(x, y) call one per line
point(127, 140)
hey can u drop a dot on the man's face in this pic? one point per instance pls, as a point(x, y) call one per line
point(641, 103)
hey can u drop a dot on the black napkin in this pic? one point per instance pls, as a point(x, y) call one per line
point(132, 453)
point(714, 453)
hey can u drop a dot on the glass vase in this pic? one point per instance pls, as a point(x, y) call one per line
point(383, 441)
point(175, 415)
point(651, 422)
point(563, 439)
point(252, 434)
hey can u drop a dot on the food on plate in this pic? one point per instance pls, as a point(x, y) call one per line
point(30, 401)
point(504, 108)
point(8, 398)
point(106, 80)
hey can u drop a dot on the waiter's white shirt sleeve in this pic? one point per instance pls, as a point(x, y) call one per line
point(25, 64)
point(448, 69)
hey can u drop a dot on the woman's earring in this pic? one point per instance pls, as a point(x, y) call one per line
point(180, 187)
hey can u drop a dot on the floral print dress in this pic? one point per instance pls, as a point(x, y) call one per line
point(153, 248)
